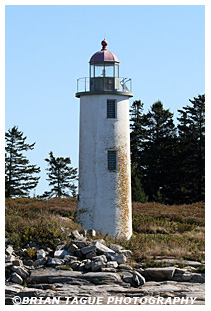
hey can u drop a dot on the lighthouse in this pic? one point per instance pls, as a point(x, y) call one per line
point(104, 200)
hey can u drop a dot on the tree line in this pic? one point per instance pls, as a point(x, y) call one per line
point(167, 161)
point(21, 177)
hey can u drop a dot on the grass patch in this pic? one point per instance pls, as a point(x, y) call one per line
point(45, 222)
point(159, 230)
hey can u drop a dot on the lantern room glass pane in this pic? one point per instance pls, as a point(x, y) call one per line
point(99, 71)
point(92, 71)
point(117, 71)
point(109, 70)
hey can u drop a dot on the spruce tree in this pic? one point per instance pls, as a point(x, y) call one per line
point(19, 173)
point(61, 176)
point(137, 135)
point(191, 130)
point(158, 154)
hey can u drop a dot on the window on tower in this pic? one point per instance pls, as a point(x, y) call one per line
point(111, 109)
point(112, 160)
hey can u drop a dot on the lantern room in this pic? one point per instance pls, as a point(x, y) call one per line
point(104, 70)
point(104, 75)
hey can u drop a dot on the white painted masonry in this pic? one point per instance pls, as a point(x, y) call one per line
point(104, 196)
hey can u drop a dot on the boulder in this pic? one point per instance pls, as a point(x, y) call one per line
point(61, 253)
point(40, 262)
point(88, 249)
point(159, 274)
point(77, 236)
point(74, 264)
point(9, 250)
point(79, 254)
point(81, 244)
point(41, 253)
point(69, 258)
point(178, 274)
point(101, 249)
point(72, 248)
point(61, 246)
point(21, 271)
point(55, 261)
point(127, 277)
point(185, 275)
point(112, 264)
point(121, 259)
point(16, 278)
point(91, 255)
point(88, 264)
point(138, 278)
point(100, 258)
point(97, 265)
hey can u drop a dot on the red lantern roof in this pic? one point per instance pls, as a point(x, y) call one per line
point(104, 55)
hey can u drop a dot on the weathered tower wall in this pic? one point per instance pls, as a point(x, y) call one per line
point(104, 196)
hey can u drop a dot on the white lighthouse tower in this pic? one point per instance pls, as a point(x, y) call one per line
point(104, 201)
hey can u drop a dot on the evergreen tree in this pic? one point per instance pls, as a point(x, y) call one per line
point(136, 140)
point(19, 179)
point(137, 130)
point(165, 166)
point(191, 130)
point(158, 154)
point(61, 176)
point(138, 194)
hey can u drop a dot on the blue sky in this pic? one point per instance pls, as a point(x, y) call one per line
point(162, 48)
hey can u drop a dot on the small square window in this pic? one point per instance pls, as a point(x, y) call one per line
point(112, 160)
point(111, 109)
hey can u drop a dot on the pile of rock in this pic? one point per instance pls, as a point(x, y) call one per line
point(15, 270)
point(80, 255)
point(88, 267)
point(85, 255)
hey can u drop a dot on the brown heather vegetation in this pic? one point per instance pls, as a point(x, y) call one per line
point(175, 231)
point(42, 221)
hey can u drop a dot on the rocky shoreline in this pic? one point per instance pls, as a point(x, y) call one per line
point(87, 268)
